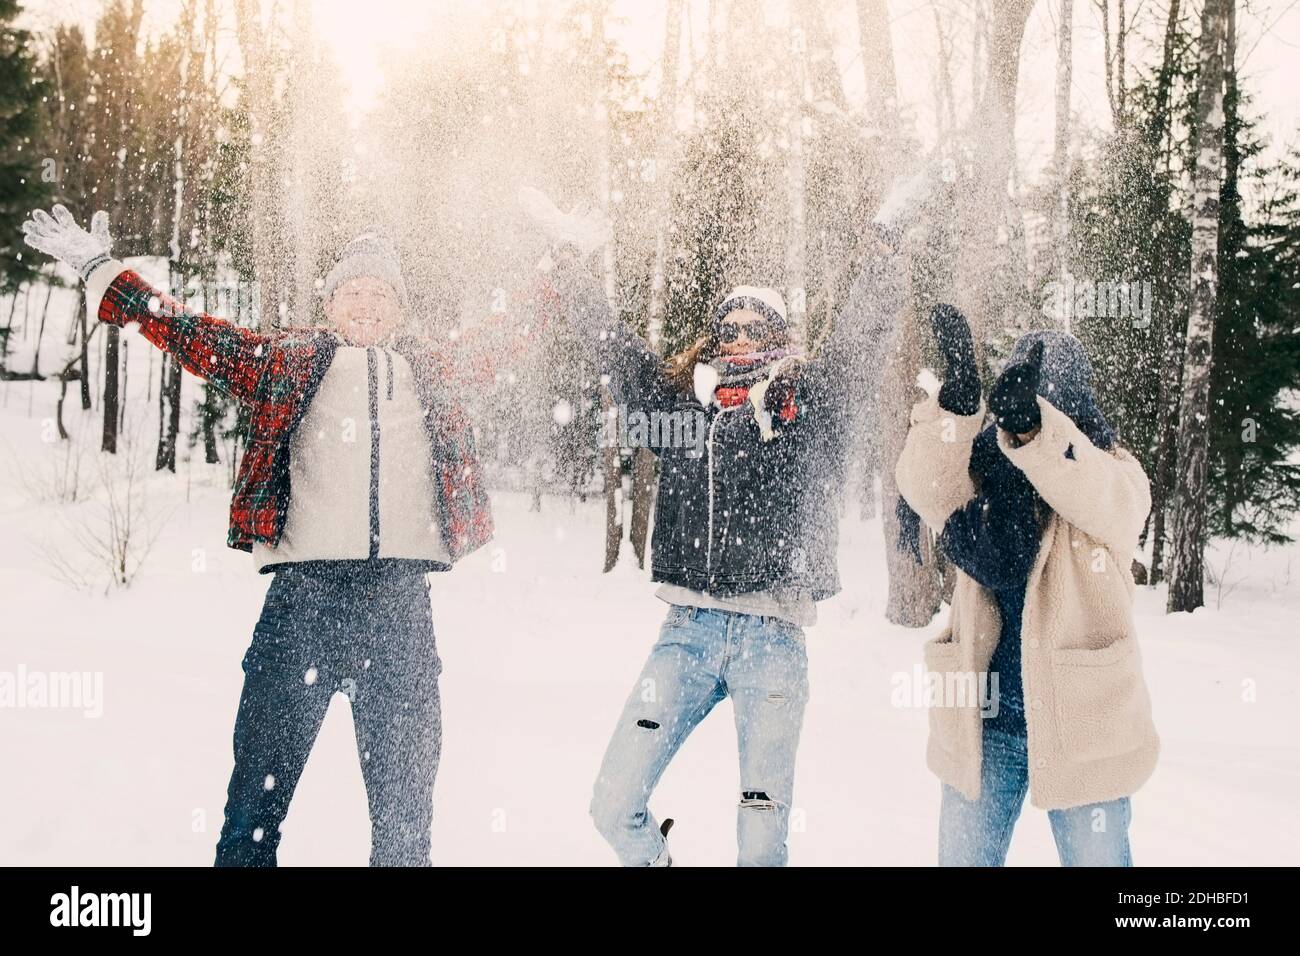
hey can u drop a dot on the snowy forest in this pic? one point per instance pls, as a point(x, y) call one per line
point(1112, 169)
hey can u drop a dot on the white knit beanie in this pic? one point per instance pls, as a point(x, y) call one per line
point(370, 254)
point(768, 303)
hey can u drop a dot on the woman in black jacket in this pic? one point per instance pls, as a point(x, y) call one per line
point(749, 433)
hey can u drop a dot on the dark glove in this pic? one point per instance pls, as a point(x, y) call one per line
point(1014, 401)
point(582, 299)
point(960, 393)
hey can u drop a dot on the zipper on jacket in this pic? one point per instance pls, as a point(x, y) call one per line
point(708, 551)
point(372, 383)
point(388, 359)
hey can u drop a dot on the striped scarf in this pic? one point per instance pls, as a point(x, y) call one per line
point(737, 373)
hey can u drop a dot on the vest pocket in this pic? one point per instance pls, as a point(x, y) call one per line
point(948, 689)
point(1102, 706)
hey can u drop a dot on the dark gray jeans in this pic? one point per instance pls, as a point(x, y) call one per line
point(338, 627)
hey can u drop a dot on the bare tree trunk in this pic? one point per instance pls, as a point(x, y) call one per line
point(112, 377)
point(1061, 146)
point(613, 474)
point(643, 495)
point(1121, 42)
point(260, 83)
point(169, 413)
point(1171, 364)
point(797, 238)
point(1159, 124)
point(665, 110)
point(914, 590)
point(1186, 573)
point(113, 335)
point(1167, 438)
point(823, 76)
point(85, 348)
point(40, 333)
point(981, 289)
point(877, 58)
point(1103, 7)
point(169, 391)
point(210, 417)
point(4, 339)
point(644, 462)
point(945, 98)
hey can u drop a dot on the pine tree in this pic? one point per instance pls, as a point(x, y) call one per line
point(1254, 431)
point(720, 237)
point(23, 181)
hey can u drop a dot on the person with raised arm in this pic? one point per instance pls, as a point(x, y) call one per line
point(359, 477)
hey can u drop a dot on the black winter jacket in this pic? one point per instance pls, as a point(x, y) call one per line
point(748, 514)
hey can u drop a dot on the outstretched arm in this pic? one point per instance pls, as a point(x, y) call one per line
point(635, 371)
point(933, 471)
point(228, 356)
point(853, 357)
point(852, 362)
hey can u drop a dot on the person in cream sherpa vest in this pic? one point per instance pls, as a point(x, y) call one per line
point(359, 477)
point(1040, 511)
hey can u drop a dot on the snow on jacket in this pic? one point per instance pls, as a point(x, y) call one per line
point(1088, 712)
point(277, 375)
point(748, 514)
point(359, 470)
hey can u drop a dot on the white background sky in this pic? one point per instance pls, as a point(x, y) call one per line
point(1269, 45)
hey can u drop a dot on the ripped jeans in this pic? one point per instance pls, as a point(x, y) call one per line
point(702, 656)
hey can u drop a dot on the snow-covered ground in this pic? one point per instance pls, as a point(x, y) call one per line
point(539, 650)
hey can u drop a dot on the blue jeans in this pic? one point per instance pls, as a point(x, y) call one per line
point(702, 656)
point(978, 833)
point(324, 630)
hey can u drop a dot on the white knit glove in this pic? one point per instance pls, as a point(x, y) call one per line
point(63, 239)
point(901, 206)
point(907, 194)
point(582, 227)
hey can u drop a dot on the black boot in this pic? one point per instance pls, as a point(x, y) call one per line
point(663, 829)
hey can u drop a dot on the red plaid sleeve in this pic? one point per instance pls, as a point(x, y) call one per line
point(228, 356)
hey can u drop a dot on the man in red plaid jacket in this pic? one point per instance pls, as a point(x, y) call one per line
point(359, 477)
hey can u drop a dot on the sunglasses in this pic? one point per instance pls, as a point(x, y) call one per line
point(758, 330)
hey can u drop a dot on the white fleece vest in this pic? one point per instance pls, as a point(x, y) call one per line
point(360, 482)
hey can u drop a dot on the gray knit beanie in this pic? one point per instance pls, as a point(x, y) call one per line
point(371, 254)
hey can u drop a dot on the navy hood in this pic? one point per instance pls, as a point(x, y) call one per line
point(1066, 381)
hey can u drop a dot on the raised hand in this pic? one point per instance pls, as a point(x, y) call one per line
point(1014, 400)
point(960, 393)
point(902, 204)
point(583, 228)
point(60, 236)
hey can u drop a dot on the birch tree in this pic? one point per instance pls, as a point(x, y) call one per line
point(1186, 578)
